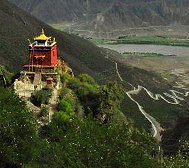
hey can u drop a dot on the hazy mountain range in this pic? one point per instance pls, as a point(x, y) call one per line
point(109, 14)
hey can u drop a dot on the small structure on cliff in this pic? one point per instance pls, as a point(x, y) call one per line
point(43, 64)
point(43, 54)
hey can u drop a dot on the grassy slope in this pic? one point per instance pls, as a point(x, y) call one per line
point(84, 57)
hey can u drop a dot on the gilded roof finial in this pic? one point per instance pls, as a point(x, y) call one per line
point(43, 32)
point(42, 36)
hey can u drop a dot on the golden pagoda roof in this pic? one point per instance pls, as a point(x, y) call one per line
point(42, 36)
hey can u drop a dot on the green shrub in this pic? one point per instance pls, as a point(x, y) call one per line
point(66, 106)
point(86, 93)
point(7, 75)
point(61, 116)
point(70, 100)
point(63, 93)
point(44, 111)
point(61, 120)
point(86, 90)
point(74, 84)
point(82, 89)
point(87, 78)
point(64, 78)
point(41, 97)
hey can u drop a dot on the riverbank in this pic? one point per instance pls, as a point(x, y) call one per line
point(158, 40)
point(149, 48)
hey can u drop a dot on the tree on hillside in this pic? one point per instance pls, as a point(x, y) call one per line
point(41, 96)
point(18, 131)
point(87, 78)
point(5, 75)
point(176, 139)
point(110, 99)
point(88, 143)
point(87, 92)
point(67, 105)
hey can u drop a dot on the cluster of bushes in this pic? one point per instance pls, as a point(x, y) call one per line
point(69, 141)
point(6, 76)
point(41, 96)
point(77, 94)
point(44, 111)
point(84, 96)
point(72, 141)
point(67, 105)
point(84, 90)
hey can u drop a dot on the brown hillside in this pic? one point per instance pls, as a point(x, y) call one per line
point(111, 14)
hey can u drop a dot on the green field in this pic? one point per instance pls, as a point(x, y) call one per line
point(144, 54)
point(98, 40)
point(133, 39)
point(160, 40)
point(60, 26)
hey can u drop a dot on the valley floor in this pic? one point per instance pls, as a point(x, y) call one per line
point(178, 31)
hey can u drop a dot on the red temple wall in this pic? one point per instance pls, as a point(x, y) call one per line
point(54, 55)
point(51, 57)
point(46, 60)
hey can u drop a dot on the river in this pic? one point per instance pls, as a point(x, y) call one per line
point(150, 48)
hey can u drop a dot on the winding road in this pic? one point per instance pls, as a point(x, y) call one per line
point(176, 97)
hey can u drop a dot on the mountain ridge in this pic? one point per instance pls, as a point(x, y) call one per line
point(109, 15)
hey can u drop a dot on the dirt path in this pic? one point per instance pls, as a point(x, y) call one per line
point(53, 102)
point(155, 125)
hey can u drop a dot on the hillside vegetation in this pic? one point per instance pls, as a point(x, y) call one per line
point(83, 57)
point(88, 130)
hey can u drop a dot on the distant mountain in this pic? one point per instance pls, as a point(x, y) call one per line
point(58, 11)
point(154, 13)
point(109, 14)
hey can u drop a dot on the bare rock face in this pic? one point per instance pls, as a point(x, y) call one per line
point(58, 11)
point(109, 14)
point(141, 14)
